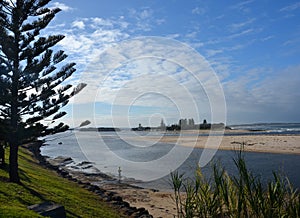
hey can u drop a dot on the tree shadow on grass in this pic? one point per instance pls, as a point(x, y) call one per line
point(26, 179)
point(33, 192)
point(4, 179)
point(4, 167)
point(72, 214)
point(24, 176)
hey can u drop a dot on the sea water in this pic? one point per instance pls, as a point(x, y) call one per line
point(109, 151)
point(269, 128)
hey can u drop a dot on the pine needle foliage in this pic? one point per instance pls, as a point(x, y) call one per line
point(33, 76)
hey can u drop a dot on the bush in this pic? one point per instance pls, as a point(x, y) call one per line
point(240, 195)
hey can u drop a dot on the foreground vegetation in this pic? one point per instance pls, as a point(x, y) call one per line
point(241, 195)
point(39, 185)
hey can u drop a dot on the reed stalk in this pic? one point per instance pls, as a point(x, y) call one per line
point(240, 195)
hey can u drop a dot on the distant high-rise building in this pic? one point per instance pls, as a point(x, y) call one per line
point(162, 125)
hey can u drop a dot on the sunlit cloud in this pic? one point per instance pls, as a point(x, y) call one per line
point(62, 6)
point(78, 24)
point(153, 72)
point(114, 78)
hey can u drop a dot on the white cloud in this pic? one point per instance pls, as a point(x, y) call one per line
point(198, 10)
point(281, 89)
point(97, 21)
point(267, 38)
point(85, 38)
point(137, 74)
point(74, 43)
point(62, 6)
point(242, 6)
point(192, 35)
point(145, 14)
point(242, 33)
point(294, 41)
point(273, 98)
point(236, 26)
point(141, 72)
point(78, 24)
point(213, 52)
point(145, 19)
point(160, 21)
point(290, 7)
point(173, 36)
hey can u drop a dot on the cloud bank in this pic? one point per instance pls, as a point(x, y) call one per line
point(136, 76)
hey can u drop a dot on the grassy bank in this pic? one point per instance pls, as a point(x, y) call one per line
point(39, 185)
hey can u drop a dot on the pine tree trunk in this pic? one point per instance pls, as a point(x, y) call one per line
point(14, 135)
point(13, 163)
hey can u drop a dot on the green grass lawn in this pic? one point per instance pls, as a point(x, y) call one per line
point(39, 185)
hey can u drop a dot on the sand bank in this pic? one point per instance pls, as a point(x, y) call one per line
point(285, 144)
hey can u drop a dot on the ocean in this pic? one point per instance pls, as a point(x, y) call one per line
point(270, 128)
point(148, 164)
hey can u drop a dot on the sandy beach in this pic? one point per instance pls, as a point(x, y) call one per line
point(284, 144)
point(158, 203)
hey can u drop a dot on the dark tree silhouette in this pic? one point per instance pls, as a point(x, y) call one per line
point(3, 136)
point(32, 75)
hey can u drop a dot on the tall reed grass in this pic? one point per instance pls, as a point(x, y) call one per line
point(240, 195)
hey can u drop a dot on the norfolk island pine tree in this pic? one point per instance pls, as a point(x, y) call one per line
point(32, 76)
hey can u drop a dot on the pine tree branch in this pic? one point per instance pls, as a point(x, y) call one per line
point(3, 57)
point(3, 111)
point(12, 3)
point(8, 8)
point(43, 95)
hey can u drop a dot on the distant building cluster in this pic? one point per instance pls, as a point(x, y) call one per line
point(141, 128)
point(183, 124)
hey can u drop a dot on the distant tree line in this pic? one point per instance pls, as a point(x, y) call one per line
point(100, 129)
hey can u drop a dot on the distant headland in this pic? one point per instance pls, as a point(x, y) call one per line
point(100, 129)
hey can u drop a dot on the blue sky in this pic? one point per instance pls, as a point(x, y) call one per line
point(253, 47)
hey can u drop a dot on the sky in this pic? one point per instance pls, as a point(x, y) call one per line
point(143, 61)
